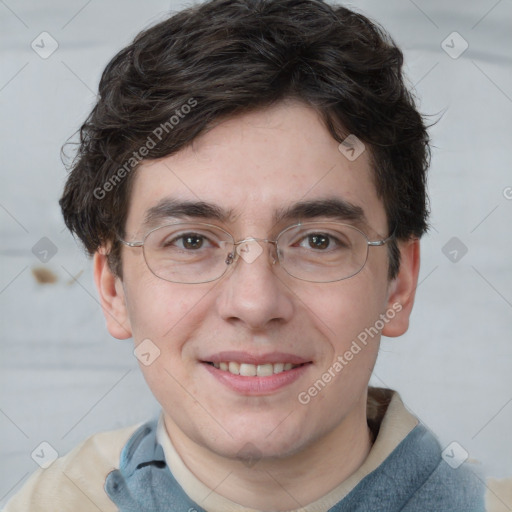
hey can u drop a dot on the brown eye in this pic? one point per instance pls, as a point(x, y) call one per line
point(318, 241)
point(192, 241)
point(188, 241)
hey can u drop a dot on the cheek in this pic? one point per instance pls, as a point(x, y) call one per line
point(159, 310)
point(345, 309)
point(164, 317)
point(345, 313)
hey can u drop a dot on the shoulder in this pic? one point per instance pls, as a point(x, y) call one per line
point(437, 476)
point(454, 483)
point(77, 479)
point(415, 476)
point(450, 487)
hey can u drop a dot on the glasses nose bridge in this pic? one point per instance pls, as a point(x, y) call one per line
point(236, 255)
point(254, 239)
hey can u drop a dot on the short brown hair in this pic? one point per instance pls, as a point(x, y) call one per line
point(223, 58)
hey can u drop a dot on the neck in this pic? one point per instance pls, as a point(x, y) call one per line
point(285, 483)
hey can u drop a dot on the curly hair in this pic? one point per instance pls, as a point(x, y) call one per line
point(223, 58)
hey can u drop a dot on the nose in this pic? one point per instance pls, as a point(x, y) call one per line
point(253, 293)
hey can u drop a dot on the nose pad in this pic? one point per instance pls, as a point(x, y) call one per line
point(273, 253)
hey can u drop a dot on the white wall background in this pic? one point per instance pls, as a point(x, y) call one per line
point(63, 377)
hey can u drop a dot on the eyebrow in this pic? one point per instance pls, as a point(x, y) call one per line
point(333, 208)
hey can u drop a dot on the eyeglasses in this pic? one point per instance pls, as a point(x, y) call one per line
point(194, 253)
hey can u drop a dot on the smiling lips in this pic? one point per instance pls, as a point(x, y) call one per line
point(247, 364)
point(253, 374)
point(256, 379)
point(254, 370)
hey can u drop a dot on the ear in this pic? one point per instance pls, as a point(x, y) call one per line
point(402, 289)
point(112, 297)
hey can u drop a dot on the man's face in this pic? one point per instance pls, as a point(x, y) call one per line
point(256, 165)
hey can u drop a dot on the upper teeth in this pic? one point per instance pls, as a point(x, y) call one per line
point(253, 370)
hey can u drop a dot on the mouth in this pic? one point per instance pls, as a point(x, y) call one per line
point(254, 370)
point(256, 375)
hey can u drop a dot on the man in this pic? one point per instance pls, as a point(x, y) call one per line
point(251, 183)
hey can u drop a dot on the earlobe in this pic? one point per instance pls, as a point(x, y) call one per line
point(402, 289)
point(112, 298)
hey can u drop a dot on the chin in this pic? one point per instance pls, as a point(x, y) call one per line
point(251, 450)
point(250, 442)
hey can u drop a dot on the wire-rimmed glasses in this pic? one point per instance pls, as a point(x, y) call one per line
point(196, 252)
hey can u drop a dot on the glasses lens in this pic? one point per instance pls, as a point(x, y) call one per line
point(322, 252)
point(188, 252)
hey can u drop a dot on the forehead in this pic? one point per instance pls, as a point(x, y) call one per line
point(257, 170)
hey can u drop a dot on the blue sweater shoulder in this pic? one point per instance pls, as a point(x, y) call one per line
point(415, 478)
